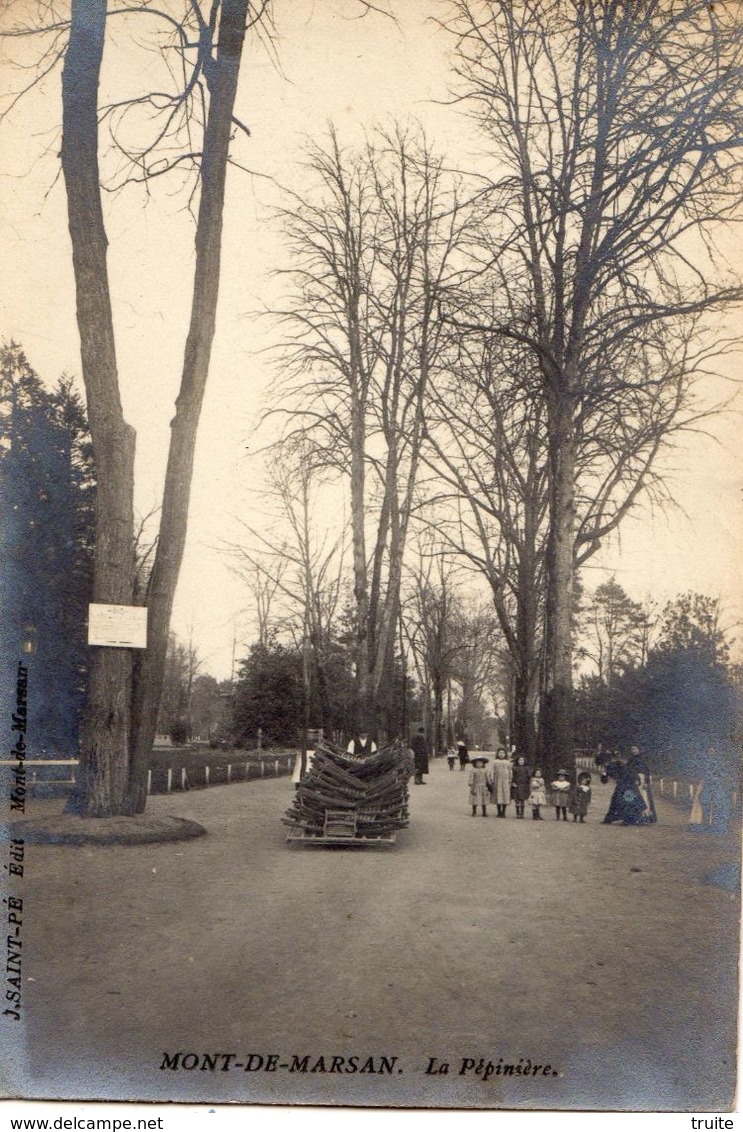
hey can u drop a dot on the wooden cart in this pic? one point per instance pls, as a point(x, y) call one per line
point(340, 828)
point(343, 800)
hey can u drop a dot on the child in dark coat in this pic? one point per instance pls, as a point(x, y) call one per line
point(520, 785)
point(581, 798)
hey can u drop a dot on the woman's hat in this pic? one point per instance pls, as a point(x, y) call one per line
point(477, 758)
point(562, 772)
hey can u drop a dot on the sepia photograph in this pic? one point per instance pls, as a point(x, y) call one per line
point(370, 474)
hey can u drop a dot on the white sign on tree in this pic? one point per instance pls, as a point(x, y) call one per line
point(120, 626)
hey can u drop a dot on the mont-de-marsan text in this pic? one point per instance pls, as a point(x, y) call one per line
point(19, 723)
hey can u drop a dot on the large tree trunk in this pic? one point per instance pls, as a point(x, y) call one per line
point(524, 717)
point(105, 730)
point(526, 666)
point(556, 740)
point(173, 524)
point(360, 587)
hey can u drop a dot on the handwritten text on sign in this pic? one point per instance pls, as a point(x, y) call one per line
point(120, 626)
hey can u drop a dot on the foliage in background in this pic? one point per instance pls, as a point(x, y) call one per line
point(683, 699)
point(47, 488)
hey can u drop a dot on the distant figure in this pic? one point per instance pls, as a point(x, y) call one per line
point(451, 757)
point(581, 797)
point(714, 794)
point(560, 794)
point(362, 744)
point(479, 785)
point(520, 785)
point(696, 815)
point(419, 747)
point(501, 775)
point(463, 753)
point(537, 794)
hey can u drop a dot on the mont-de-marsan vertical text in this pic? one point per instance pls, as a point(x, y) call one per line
point(18, 727)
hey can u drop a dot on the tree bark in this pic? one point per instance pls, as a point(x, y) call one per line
point(149, 667)
point(360, 587)
point(104, 745)
point(556, 740)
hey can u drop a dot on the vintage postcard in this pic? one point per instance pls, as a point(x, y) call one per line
point(371, 538)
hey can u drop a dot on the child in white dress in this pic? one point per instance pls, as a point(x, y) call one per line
point(537, 794)
point(479, 784)
point(560, 789)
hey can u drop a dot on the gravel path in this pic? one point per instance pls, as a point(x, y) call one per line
point(595, 950)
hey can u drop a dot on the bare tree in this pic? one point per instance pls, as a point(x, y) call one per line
point(182, 665)
point(429, 620)
point(475, 668)
point(613, 631)
point(297, 571)
point(488, 452)
point(373, 244)
point(618, 127)
point(188, 123)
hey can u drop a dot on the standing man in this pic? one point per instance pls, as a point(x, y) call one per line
point(419, 747)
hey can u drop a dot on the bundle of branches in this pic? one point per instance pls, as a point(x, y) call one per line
point(372, 789)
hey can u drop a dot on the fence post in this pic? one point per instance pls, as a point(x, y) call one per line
point(675, 788)
point(170, 778)
point(149, 781)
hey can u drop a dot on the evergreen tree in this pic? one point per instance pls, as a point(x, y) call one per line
point(47, 486)
point(269, 695)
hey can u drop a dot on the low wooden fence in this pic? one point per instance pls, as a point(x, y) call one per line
point(681, 791)
point(169, 770)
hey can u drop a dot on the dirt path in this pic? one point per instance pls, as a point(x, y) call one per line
point(596, 950)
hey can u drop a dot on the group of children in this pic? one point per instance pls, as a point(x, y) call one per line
point(505, 782)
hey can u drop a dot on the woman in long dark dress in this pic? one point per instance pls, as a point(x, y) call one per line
point(639, 765)
point(627, 804)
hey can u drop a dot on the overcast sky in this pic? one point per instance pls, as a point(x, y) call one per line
point(332, 67)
